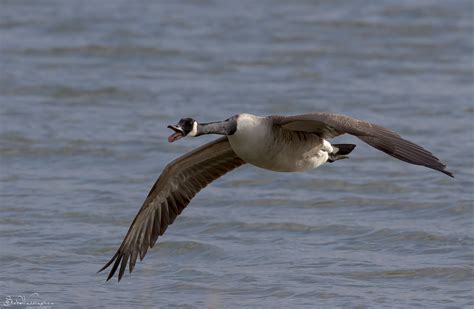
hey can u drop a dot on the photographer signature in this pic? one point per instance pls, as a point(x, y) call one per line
point(30, 301)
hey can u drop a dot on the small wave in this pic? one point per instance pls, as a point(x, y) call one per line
point(68, 92)
point(99, 50)
point(188, 247)
point(391, 235)
point(452, 273)
point(15, 138)
point(15, 143)
point(287, 227)
point(66, 150)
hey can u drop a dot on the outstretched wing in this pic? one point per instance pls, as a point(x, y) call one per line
point(171, 193)
point(328, 125)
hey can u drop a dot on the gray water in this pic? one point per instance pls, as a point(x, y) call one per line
point(87, 89)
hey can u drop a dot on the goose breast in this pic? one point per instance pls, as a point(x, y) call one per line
point(261, 143)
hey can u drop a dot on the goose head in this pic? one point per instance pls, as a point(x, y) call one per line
point(190, 127)
point(185, 127)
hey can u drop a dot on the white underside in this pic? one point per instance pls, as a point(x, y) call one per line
point(255, 142)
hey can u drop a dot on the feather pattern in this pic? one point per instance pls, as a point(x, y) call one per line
point(178, 183)
point(328, 125)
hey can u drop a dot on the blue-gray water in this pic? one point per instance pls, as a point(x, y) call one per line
point(87, 89)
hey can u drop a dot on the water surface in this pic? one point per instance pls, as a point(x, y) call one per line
point(88, 88)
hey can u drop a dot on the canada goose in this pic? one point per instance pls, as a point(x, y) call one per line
point(277, 143)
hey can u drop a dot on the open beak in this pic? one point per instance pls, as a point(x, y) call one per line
point(178, 133)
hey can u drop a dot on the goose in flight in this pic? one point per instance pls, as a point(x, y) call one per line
point(276, 143)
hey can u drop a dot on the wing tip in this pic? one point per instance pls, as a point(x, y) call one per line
point(121, 260)
point(116, 258)
point(446, 172)
point(108, 263)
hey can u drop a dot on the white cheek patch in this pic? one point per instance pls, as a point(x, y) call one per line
point(194, 130)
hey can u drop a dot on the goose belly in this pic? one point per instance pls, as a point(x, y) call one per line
point(280, 156)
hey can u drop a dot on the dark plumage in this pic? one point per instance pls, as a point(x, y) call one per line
point(171, 193)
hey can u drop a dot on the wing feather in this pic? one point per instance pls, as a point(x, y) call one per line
point(179, 182)
point(328, 125)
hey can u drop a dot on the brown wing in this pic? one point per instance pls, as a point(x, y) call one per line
point(171, 193)
point(328, 125)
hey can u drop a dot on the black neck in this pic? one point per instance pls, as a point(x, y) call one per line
point(226, 127)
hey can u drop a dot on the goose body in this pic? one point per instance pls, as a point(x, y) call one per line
point(258, 142)
point(277, 143)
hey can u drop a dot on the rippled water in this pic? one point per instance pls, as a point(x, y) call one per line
point(87, 89)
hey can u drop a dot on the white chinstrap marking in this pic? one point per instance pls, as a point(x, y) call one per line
point(194, 130)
